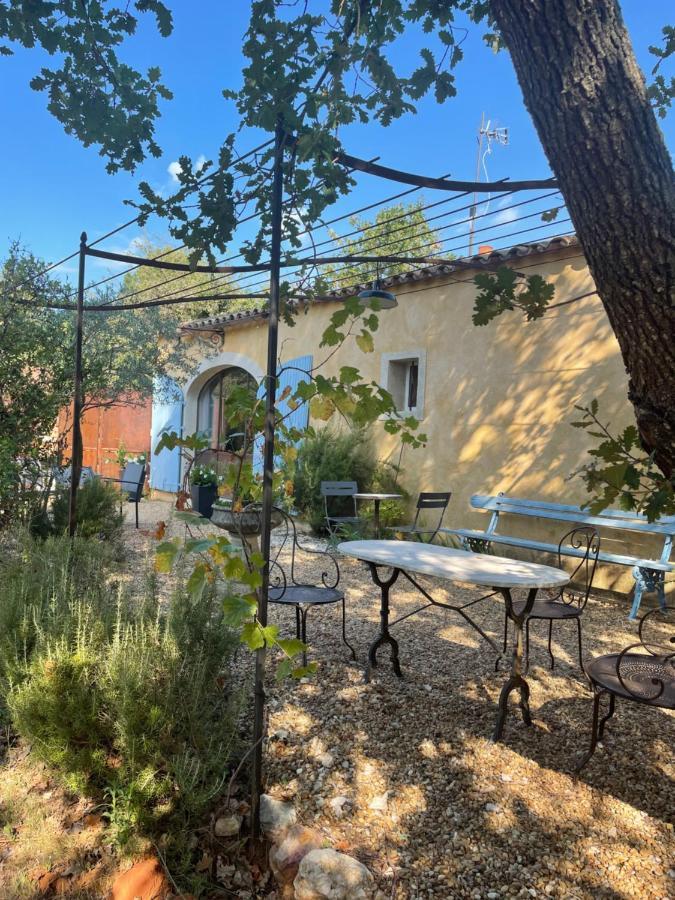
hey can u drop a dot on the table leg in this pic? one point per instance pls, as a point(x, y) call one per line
point(384, 636)
point(376, 518)
point(516, 680)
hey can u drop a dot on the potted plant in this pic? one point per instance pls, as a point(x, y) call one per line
point(240, 512)
point(203, 489)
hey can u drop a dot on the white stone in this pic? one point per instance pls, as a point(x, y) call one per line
point(492, 807)
point(276, 817)
point(227, 826)
point(329, 875)
point(379, 803)
point(326, 760)
point(285, 857)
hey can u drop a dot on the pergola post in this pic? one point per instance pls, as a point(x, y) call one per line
point(268, 469)
point(76, 455)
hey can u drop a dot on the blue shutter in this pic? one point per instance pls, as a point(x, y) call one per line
point(167, 415)
point(293, 372)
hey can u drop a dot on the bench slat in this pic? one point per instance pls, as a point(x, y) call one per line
point(615, 558)
point(561, 513)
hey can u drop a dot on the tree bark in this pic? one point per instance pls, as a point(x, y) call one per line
point(587, 97)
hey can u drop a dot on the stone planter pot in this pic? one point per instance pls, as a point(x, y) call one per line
point(246, 522)
point(203, 497)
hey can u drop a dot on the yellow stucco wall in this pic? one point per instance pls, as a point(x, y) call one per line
point(498, 399)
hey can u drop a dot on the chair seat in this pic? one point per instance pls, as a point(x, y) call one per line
point(305, 595)
point(353, 519)
point(642, 674)
point(549, 609)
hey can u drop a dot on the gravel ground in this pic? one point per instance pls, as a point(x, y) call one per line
point(402, 775)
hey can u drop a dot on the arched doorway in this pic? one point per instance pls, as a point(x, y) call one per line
point(212, 422)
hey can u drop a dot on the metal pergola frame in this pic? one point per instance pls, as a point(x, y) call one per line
point(282, 140)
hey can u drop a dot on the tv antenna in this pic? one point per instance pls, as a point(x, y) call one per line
point(486, 133)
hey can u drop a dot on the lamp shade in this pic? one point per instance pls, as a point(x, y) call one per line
point(379, 298)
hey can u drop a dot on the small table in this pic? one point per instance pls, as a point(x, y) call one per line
point(376, 500)
point(498, 573)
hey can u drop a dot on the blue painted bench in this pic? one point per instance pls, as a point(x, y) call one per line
point(649, 574)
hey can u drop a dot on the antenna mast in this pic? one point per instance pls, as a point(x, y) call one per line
point(501, 136)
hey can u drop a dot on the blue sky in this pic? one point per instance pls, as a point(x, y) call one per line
point(53, 187)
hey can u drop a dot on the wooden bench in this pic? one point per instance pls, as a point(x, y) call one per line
point(649, 574)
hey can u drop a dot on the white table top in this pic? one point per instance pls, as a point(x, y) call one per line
point(456, 565)
point(378, 496)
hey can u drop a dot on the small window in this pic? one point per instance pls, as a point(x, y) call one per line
point(411, 392)
point(403, 377)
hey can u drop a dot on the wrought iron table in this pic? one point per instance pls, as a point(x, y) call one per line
point(498, 573)
point(376, 500)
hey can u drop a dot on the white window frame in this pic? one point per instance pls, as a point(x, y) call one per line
point(418, 356)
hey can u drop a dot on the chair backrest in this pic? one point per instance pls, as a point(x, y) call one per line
point(650, 677)
point(339, 488)
point(586, 540)
point(133, 478)
point(319, 567)
point(343, 504)
point(433, 500)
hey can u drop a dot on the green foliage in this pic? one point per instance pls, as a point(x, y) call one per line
point(123, 356)
point(130, 702)
point(126, 353)
point(218, 565)
point(35, 368)
point(330, 455)
point(386, 481)
point(399, 230)
point(621, 472)
point(146, 283)
point(44, 583)
point(661, 91)
point(94, 95)
point(318, 72)
point(507, 290)
point(98, 510)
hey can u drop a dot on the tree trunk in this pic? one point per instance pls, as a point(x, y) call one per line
point(587, 97)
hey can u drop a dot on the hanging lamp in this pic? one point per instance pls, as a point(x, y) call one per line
point(384, 299)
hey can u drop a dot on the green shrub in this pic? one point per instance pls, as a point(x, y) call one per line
point(50, 590)
point(386, 480)
point(98, 510)
point(125, 700)
point(329, 455)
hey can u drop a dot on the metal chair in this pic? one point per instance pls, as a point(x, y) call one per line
point(131, 483)
point(343, 500)
point(288, 587)
point(567, 603)
point(646, 677)
point(426, 500)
